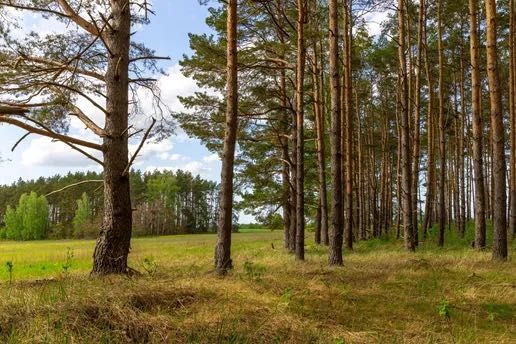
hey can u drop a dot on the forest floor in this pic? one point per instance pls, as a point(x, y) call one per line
point(382, 294)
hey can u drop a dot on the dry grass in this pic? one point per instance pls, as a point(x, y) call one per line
point(381, 295)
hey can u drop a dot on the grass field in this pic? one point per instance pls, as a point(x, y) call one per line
point(381, 295)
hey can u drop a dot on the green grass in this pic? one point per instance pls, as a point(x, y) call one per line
point(382, 294)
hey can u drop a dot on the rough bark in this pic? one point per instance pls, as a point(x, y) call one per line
point(321, 235)
point(430, 178)
point(417, 119)
point(348, 106)
point(286, 120)
point(478, 159)
point(512, 114)
point(113, 241)
point(442, 129)
point(336, 233)
point(461, 147)
point(406, 170)
point(497, 129)
point(300, 175)
point(223, 260)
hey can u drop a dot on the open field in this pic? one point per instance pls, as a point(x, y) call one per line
point(382, 294)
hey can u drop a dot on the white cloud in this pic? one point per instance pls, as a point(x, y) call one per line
point(194, 167)
point(211, 158)
point(160, 150)
point(42, 151)
point(374, 21)
point(175, 157)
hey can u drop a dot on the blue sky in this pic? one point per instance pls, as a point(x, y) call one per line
point(168, 35)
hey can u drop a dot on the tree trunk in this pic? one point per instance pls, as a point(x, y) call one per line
point(512, 114)
point(406, 170)
point(348, 92)
point(223, 248)
point(430, 179)
point(417, 120)
point(113, 242)
point(285, 172)
point(497, 128)
point(300, 175)
point(478, 159)
point(336, 234)
point(462, 126)
point(442, 129)
point(293, 187)
point(322, 236)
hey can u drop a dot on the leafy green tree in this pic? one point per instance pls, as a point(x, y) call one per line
point(29, 221)
point(83, 216)
point(13, 224)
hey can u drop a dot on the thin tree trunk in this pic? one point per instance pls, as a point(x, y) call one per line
point(285, 172)
point(430, 179)
point(497, 128)
point(406, 167)
point(442, 130)
point(512, 113)
point(336, 234)
point(348, 34)
point(300, 174)
point(462, 178)
point(293, 187)
point(478, 159)
point(322, 237)
point(223, 248)
point(417, 119)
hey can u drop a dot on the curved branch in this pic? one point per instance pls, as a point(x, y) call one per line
point(4, 118)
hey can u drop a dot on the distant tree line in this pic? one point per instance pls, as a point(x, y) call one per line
point(164, 202)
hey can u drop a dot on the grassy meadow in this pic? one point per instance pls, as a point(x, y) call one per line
point(381, 295)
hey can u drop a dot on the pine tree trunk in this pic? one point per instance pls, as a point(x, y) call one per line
point(406, 167)
point(223, 248)
point(497, 128)
point(300, 142)
point(512, 114)
point(462, 157)
point(336, 233)
point(430, 179)
point(322, 235)
point(285, 171)
point(293, 187)
point(417, 119)
point(478, 159)
point(113, 242)
point(442, 130)
point(348, 106)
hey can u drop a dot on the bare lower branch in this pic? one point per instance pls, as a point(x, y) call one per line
point(83, 152)
point(34, 9)
point(75, 184)
point(140, 146)
point(48, 133)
